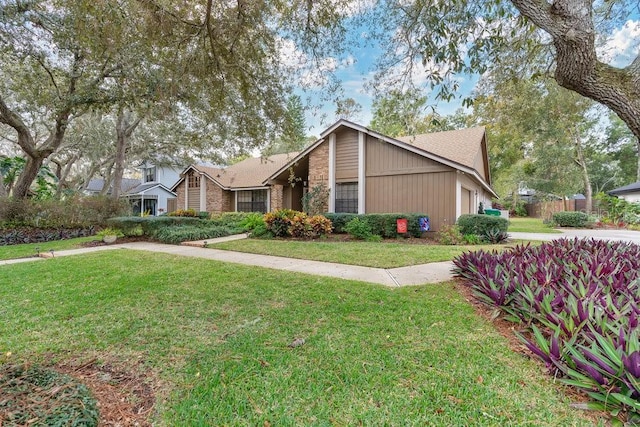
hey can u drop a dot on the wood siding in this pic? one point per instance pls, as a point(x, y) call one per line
point(433, 194)
point(465, 202)
point(347, 156)
point(193, 198)
point(398, 180)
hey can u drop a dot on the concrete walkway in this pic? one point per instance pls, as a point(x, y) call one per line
point(394, 277)
point(598, 234)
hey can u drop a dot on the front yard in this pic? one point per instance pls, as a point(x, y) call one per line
point(214, 339)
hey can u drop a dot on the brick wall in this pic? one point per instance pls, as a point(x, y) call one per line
point(319, 167)
point(277, 197)
point(217, 200)
point(181, 191)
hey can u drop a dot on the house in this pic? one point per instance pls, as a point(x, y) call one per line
point(95, 186)
point(630, 193)
point(153, 195)
point(443, 174)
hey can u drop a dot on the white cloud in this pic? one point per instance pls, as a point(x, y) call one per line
point(622, 46)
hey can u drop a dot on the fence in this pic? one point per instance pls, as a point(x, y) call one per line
point(546, 209)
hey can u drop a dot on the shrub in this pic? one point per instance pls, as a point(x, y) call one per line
point(481, 224)
point(278, 222)
point(150, 225)
point(494, 236)
point(581, 299)
point(381, 224)
point(260, 231)
point(185, 233)
point(471, 239)
point(73, 212)
point(251, 221)
point(359, 229)
point(450, 235)
point(287, 222)
point(190, 213)
point(340, 220)
point(109, 232)
point(231, 219)
point(570, 219)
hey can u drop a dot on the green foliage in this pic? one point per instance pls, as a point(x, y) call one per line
point(315, 200)
point(340, 220)
point(570, 219)
point(185, 233)
point(190, 213)
point(358, 228)
point(150, 225)
point(109, 232)
point(481, 224)
point(33, 395)
point(231, 219)
point(278, 221)
point(471, 239)
point(261, 232)
point(450, 235)
point(494, 236)
point(615, 210)
point(73, 212)
point(251, 221)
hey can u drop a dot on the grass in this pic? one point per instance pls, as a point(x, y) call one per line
point(30, 249)
point(530, 225)
point(368, 254)
point(218, 334)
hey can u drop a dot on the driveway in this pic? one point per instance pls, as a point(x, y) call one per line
point(600, 234)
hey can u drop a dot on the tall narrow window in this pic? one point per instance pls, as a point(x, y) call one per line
point(347, 197)
point(252, 201)
point(150, 174)
point(194, 181)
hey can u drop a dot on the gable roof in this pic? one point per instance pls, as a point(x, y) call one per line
point(457, 149)
point(461, 146)
point(142, 188)
point(631, 188)
point(249, 173)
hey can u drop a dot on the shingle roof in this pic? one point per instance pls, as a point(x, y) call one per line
point(461, 146)
point(248, 173)
point(631, 188)
point(144, 187)
point(96, 185)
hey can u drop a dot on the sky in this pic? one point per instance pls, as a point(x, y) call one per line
point(355, 70)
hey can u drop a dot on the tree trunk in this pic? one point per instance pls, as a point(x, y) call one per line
point(570, 24)
point(124, 129)
point(638, 170)
point(28, 175)
point(586, 179)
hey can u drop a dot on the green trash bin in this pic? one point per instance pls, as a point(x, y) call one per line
point(492, 212)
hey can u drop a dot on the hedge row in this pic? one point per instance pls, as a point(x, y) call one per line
point(570, 219)
point(481, 225)
point(384, 225)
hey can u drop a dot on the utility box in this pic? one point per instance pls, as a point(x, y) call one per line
point(401, 225)
point(492, 212)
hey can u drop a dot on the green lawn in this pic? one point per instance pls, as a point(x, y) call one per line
point(217, 336)
point(368, 254)
point(530, 225)
point(27, 250)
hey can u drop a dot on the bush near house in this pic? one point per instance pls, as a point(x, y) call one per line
point(383, 225)
point(481, 225)
point(618, 211)
point(287, 222)
point(581, 300)
point(570, 219)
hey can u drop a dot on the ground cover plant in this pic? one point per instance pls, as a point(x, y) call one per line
point(581, 300)
point(220, 337)
point(387, 254)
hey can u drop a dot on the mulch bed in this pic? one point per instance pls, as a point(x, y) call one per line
point(98, 242)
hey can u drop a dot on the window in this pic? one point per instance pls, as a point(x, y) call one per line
point(194, 181)
point(347, 197)
point(252, 201)
point(150, 174)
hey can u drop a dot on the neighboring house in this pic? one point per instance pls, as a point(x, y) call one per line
point(154, 196)
point(95, 186)
point(443, 175)
point(630, 193)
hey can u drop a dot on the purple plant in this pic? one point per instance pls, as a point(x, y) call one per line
point(581, 300)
